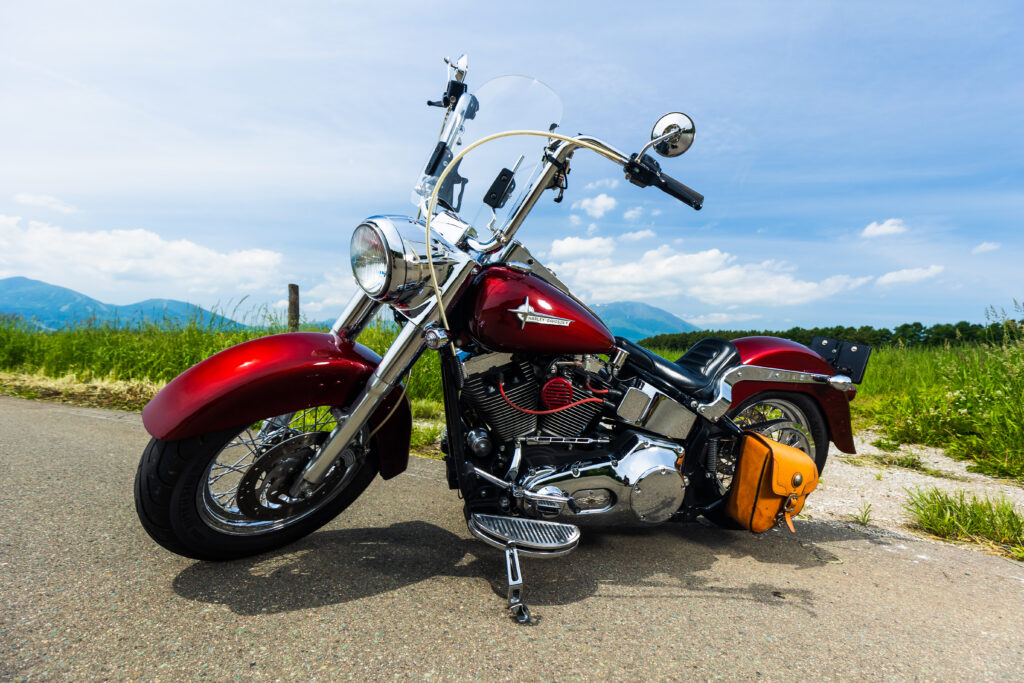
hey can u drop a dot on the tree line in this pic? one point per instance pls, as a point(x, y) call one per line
point(907, 334)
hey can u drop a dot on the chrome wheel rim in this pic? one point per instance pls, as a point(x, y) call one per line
point(289, 440)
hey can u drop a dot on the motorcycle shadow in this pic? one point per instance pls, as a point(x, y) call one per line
point(335, 567)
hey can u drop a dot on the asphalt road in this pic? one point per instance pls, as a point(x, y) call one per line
point(397, 588)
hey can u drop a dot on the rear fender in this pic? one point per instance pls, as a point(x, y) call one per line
point(773, 352)
point(273, 375)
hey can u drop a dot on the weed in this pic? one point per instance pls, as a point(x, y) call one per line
point(878, 476)
point(427, 409)
point(426, 434)
point(907, 461)
point(885, 444)
point(959, 517)
point(863, 514)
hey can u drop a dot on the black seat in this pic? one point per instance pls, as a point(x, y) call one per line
point(694, 372)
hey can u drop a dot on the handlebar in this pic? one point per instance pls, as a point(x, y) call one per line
point(644, 172)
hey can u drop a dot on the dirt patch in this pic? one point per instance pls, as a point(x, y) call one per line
point(846, 488)
point(118, 394)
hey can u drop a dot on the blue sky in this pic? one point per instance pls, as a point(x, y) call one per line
point(863, 163)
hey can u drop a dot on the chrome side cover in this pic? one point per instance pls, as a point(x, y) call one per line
point(650, 409)
point(644, 487)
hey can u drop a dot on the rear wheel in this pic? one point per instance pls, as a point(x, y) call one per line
point(226, 495)
point(791, 419)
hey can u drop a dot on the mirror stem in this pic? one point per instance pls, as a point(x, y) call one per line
point(663, 138)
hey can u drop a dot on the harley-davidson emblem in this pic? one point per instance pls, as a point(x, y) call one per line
point(527, 314)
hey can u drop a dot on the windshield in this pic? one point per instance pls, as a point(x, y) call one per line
point(501, 104)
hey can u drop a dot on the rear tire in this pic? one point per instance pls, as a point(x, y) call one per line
point(792, 419)
point(184, 506)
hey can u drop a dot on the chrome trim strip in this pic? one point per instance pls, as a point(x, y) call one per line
point(714, 409)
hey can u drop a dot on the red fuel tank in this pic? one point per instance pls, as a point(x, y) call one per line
point(515, 312)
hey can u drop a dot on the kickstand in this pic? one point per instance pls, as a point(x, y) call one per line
point(516, 607)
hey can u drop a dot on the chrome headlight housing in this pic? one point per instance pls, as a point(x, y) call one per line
point(389, 260)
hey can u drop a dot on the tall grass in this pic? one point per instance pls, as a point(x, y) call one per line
point(158, 352)
point(969, 519)
point(968, 400)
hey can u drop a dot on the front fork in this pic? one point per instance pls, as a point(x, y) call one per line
point(399, 358)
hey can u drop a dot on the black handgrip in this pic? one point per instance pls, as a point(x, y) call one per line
point(646, 171)
point(671, 186)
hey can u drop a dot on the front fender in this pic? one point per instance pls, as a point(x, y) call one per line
point(273, 375)
point(773, 352)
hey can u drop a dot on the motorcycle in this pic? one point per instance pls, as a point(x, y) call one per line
point(553, 424)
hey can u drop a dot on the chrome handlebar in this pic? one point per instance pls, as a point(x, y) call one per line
point(555, 160)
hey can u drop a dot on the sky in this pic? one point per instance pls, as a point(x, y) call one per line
point(863, 163)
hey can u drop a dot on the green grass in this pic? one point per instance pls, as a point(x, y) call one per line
point(863, 514)
point(154, 352)
point(959, 517)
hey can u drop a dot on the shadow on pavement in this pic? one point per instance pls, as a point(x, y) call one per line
point(335, 567)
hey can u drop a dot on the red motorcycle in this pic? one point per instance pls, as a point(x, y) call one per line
point(552, 422)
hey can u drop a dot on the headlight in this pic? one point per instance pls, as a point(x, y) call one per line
point(389, 260)
point(370, 262)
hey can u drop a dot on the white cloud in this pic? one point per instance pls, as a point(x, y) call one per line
point(574, 219)
point(655, 212)
point(46, 202)
point(596, 206)
point(123, 266)
point(711, 276)
point(330, 295)
point(592, 230)
point(580, 247)
point(633, 214)
point(638, 235)
point(985, 246)
point(610, 183)
point(908, 275)
point(711, 320)
point(890, 226)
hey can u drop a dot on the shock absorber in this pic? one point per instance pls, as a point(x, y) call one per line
point(711, 459)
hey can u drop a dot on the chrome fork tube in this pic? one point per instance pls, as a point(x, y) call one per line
point(358, 312)
point(404, 351)
point(396, 362)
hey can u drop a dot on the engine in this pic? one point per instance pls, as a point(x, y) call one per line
point(517, 398)
point(542, 419)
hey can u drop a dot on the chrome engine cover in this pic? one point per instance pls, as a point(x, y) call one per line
point(643, 484)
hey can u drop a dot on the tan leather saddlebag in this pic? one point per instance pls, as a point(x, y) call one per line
point(770, 484)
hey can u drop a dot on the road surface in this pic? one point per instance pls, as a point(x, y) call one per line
point(397, 588)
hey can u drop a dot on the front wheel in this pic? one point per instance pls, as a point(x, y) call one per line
point(226, 495)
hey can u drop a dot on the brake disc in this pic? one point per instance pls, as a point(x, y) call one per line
point(263, 491)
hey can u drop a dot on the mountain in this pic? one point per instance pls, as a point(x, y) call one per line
point(51, 307)
point(635, 321)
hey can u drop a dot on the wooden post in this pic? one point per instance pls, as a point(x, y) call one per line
point(293, 308)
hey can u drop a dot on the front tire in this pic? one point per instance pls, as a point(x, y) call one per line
point(223, 496)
